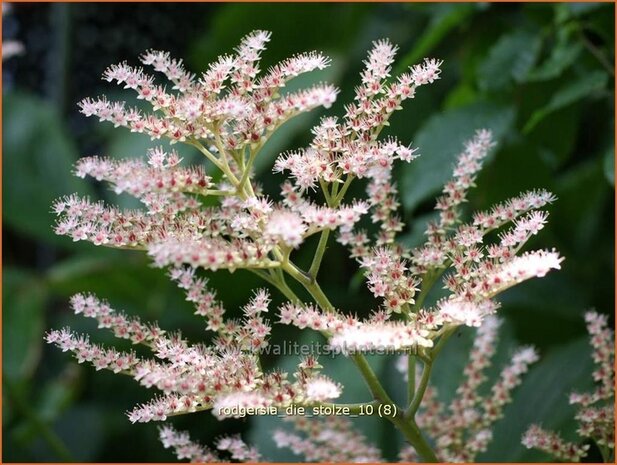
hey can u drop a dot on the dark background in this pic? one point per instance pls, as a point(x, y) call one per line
point(539, 75)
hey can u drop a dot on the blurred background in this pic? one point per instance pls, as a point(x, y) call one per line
point(541, 76)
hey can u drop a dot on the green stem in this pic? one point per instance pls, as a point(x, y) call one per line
point(217, 192)
point(286, 290)
point(319, 296)
point(411, 377)
point(412, 433)
point(417, 400)
point(428, 282)
point(321, 248)
point(209, 155)
point(374, 386)
point(221, 162)
point(343, 190)
point(409, 429)
point(219, 145)
point(292, 270)
point(238, 157)
point(247, 171)
point(442, 340)
point(279, 284)
point(310, 285)
point(334, 191)
point(324, 189)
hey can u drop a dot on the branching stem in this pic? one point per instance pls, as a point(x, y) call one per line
point(408, 428)
point(419, 395)
point(343, 190)
point(319, 253)
point(244, 190)
point(411, 377)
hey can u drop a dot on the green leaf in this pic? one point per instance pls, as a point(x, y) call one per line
point(47, 405)
point(536, 307)
point(38, 155)
point(68, 271)
point(584, 195)
point(462, 94)
point(441, 139)
point(542, 398)
point(447, 374)
point(570, 93)
point(555, 138)
point(338, 27)
point(23, 300)
point(562, 56)
point(446, 18)
point(519, 166)
point(416, 236)
point(509, 60)
point(577, 9)
point(601, 23)
point(121, 275)
point(81, 429)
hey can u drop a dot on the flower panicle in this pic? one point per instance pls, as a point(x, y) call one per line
point(192, 378)
point(194, 219)
point(229, 104)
